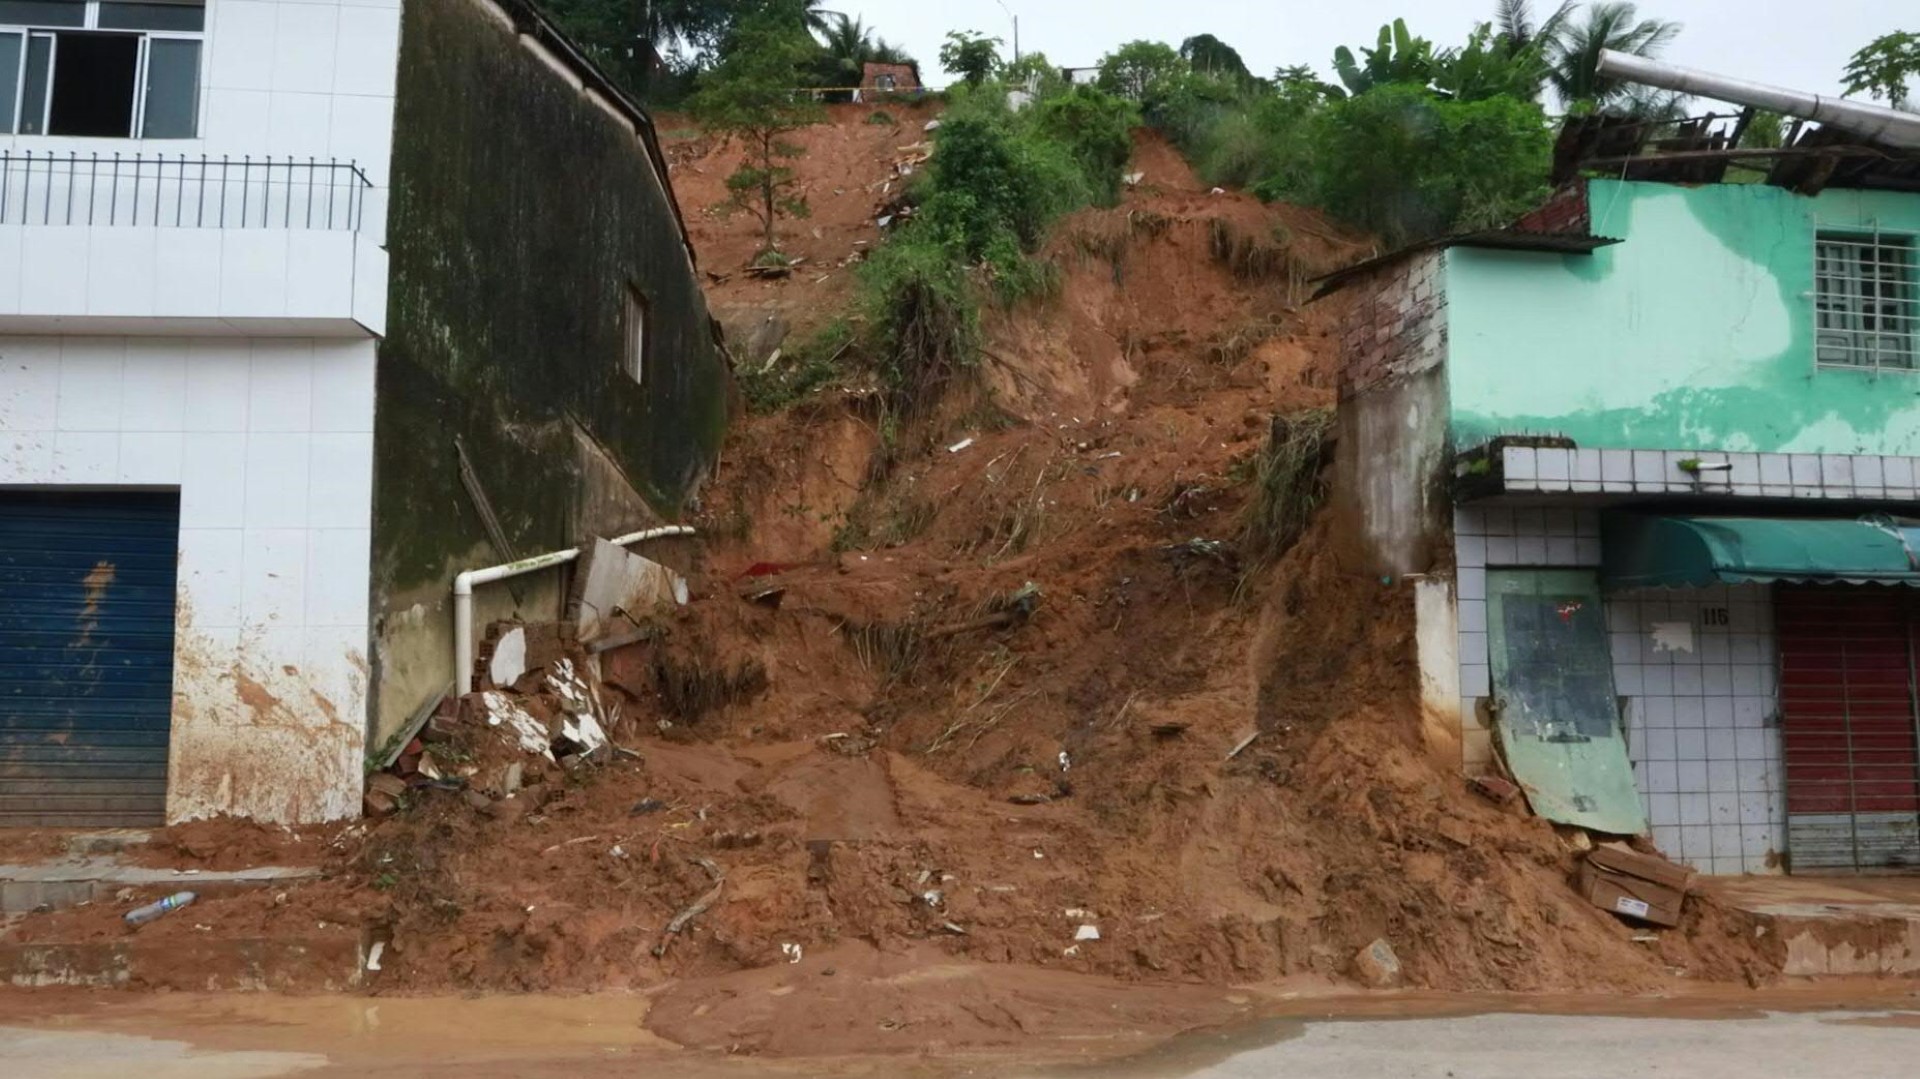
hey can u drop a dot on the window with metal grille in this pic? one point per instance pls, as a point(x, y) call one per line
point(1867, 300)
point(102, 68)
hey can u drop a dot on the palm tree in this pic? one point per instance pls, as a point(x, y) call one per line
point(1575, 55)
point(848, 45)
point(1514, 19)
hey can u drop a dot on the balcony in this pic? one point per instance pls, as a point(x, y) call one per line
point(187, 245)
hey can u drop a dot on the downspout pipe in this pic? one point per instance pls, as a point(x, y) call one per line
point(1890, 127)
point(464, 584)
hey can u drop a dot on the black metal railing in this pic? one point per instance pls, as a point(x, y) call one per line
point(180, 191)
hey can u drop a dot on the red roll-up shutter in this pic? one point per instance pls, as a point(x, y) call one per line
point(1848, 715)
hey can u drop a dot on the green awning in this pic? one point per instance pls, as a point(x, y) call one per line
point(1695, 552)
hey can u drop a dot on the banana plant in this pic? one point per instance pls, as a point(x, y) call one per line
point(1397, 57)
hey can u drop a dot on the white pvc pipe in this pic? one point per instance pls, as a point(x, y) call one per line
point(1890, 126)
point(463, 594)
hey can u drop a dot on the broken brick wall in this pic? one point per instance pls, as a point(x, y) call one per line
point(527, 208)
point(1390, 463)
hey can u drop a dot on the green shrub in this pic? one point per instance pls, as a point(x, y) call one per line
point(923, 317)
point(1405, 164)
point(1097, 131)
point(803, 367)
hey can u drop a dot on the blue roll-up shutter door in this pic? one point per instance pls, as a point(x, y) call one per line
point(86, 656)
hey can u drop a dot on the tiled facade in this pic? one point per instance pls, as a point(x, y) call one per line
point(1694, 669)
point(1543, 470)
point(1504, 536)
point(270, 443)
point(1702, 727)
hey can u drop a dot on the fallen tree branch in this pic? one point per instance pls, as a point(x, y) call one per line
point(698, 907)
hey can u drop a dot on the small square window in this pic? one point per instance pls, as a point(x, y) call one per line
point(1867, 300)
point(635, 325)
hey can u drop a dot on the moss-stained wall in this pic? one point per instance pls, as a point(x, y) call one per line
point(522, 210)
point(1697, 332)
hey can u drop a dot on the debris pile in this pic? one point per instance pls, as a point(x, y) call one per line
point(1004, 685)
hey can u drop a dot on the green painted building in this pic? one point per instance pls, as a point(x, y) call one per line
point(1649, 462)
point(1700, 330)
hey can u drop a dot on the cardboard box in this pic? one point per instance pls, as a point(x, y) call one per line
point(1629, 896)
point(1620, 859)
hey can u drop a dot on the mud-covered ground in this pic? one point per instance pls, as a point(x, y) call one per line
point(952, 715)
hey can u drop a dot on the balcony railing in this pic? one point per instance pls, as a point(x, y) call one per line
point(180, 191)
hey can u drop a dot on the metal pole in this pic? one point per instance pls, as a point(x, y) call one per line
point(1016, 28)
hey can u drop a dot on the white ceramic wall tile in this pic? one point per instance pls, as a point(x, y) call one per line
point(241, 44)
point(90, 386)
point(305, 39)
point(1470, 550)
point(280, 388)
point(1721, 749)
point(86, 457)
point(340, 484)
point(1616, 468)
point(151, 458)
point(273, 582)
point(335, 555)
point(210, 573)
point(367, 53)
point(278, 478)
point(299, 125)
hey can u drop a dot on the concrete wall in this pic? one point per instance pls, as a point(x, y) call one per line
point(270, 444)
point(1695, 333)
point(526, 204)
point(1391, 456)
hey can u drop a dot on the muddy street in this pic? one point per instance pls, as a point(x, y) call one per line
point(1866, 1030)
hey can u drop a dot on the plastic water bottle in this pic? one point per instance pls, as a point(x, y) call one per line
point(165, 906)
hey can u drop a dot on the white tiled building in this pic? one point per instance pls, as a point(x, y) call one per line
point(235, 486)
point(191, 288)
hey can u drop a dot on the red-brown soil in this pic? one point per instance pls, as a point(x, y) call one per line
point(919, 786)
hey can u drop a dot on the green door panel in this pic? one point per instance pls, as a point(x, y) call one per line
point(1558, 721)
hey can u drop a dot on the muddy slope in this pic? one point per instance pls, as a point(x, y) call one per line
point(951, 704)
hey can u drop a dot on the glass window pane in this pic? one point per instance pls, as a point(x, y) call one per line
point(118, 16)
point(11, 46)
point(173, 88)
point(33, 102)
point(43, 13)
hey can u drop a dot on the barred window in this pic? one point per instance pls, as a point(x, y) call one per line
point(1867, 300)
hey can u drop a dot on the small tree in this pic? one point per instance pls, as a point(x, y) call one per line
point(970, 55)
point(751, 97)
point(1211, 56)
point(1138, 68)
point(1885, 66)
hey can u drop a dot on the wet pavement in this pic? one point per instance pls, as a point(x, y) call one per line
point(1863, 1032)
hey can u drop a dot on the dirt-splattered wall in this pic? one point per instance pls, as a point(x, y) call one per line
point(527, 208)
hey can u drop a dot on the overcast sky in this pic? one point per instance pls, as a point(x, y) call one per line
point(1801, 45)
